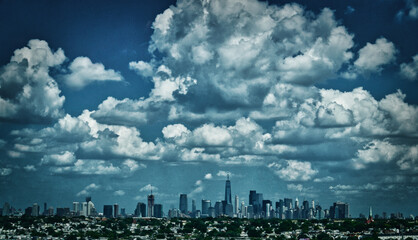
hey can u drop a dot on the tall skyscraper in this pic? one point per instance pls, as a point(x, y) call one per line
point(228, 198)
point(259, 204)
point(141, 209)
point(108, 211)
point(45, 210)
point(35, 210)
point(116, 210)
point(205, 206)
point(76, 208)
point(6, 209)
point(236, 204)
point(218, 209)
point(150, 205)
point(183, 203)
point(288, 203)
point(252, 198)
point(193, 207)
point(339, 210)
point(158, 210)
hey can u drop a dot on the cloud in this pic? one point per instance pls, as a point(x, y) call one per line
point(119, 193)
point(64, 158)
point(15, 154)
point(294, 170)
point(373, 56)
point(5, 171)
point(324, 179)
point(148, 188)
point(412, 7)
point(208, 176)
point(28, 93)
point(88, 167)
point(349, 10)
point(143, 68)
point(198, 188)
point(200, 77)
point(224, 174)
point(295, 187)
point(30, 168)
point(382, 151)
point(133, 165)
point(88, 189)
point(410, 70)
point(353, 189)
point(84, 72)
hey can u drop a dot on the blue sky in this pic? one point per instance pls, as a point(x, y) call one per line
point(313, 100)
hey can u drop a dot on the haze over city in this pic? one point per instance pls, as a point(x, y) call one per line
point(315, 100)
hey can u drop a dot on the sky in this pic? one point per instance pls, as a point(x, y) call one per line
point(314, 100)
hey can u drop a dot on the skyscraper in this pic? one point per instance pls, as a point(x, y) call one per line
point(236, 204)
point(76, 208)
point(158, 210)
point(150, 205)
point(116, 210)
point(141, 209)
point(107, 211)
point(228, 198)
point(45, 210)
point(252, 198)
point(205, 206)
point(6, 209)
point(339, 210)
point(183, 203)
point(35, 210)
point(193, 207)
point(288, 203)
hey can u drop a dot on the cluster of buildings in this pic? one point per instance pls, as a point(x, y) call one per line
point(257, 207)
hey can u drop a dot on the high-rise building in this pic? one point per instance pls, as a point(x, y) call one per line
point(76, 208)
point(108, 211)
point(266, 209)
point(83, 211)
point(63, 212)
point(183, 203)
point(288, 203)
point(236, 204)
point(228, 198)
point(267, 213)
point(150, 212)
point(6, 209)
point(116, 210)
point(193, 207)
point(141, 210)
point(205, 206)
point(158, 210)
point(50, 211)
point(218, 209)
point(91, 210)
point(259, 204)
point(123, 212)
point(339, 210)
point(252, 198)
point(45, 210)
point(28, 211)
point(211, 212)
point(35, 210)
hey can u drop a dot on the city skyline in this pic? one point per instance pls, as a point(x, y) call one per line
point(314, 100)
point(256, 208)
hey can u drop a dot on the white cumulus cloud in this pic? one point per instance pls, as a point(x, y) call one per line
point(84, 72)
